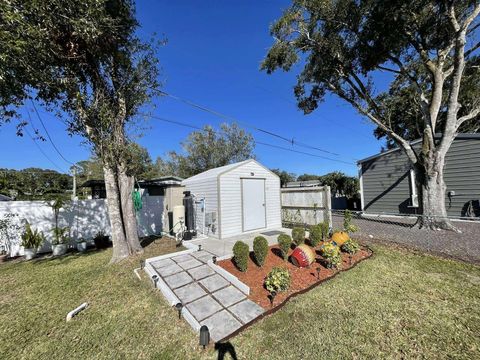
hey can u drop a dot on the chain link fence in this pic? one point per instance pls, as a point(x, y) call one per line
point(405, 230)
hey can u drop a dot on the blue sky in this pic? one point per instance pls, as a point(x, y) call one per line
point(212, 58)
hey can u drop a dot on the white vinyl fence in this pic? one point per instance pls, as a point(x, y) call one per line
point(84, 218)
point(307, 205)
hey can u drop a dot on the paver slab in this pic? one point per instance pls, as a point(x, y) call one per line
point(221, 325)
point(246, 310)
point(189, 264)
point(200, 254)
point(204, 307)
point(182, 258)
point(201, 272)
point(177, 280)
point(229, 296)
point(162, 263)
point(169, 270)
point(214, 282)
point(189, 292)
point(205, 258)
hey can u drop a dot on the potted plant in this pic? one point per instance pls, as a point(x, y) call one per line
point(31, 241)
point(60, 234)
point(60, 240)
point(82, 245)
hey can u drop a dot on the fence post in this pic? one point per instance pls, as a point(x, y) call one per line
point(328, 206)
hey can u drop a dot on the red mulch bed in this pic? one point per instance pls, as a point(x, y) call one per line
point(301, 278)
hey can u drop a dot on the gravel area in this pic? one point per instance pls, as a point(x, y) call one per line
point(464, 246)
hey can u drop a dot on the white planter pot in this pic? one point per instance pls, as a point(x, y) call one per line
point(59, 249)
point(82, 246)
point(30, 253)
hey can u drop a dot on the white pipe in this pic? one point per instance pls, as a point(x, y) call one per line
point(136, 273)
point(75, 311)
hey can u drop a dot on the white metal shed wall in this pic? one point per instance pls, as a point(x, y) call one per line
point(230, 184)
point(204, 188)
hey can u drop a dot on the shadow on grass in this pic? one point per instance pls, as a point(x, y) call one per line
point(224, 349)
point(148, 240)
point(68, 257)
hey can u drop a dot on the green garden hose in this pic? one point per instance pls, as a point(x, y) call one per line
point(137, 200)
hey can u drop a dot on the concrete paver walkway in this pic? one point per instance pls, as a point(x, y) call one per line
point(209, 296)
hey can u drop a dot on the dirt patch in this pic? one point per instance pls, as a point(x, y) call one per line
point(301, 278)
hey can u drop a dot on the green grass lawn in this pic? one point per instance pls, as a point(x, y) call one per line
point(396, 305)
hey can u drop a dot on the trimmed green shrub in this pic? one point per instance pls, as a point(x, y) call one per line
point(260, 250)
point(316, 234)
point(325, 230)
point(298, 235)
point(350, 247)
point(277, 280)
point(240, 255)
point(331, 254)
point(285, 242)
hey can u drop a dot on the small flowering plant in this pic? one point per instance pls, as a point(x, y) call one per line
point(350, 247)
point(278, 279)
point(331, 253)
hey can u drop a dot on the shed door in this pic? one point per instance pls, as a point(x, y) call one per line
point(253, 204)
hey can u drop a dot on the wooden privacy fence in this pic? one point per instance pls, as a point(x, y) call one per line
point(309, 205)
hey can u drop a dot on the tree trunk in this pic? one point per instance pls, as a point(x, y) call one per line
point(433, 191)
point(126, 184)
point(121, 248)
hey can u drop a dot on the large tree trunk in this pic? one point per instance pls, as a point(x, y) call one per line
point(433, 191)
point(121, 248)
point(126, 184)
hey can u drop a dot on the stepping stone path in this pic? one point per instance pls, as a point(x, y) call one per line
point(210, 298)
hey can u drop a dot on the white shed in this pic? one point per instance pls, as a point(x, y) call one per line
point(236, 199)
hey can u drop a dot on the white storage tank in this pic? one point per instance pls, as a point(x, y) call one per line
point(238, 198)
point(178, 218)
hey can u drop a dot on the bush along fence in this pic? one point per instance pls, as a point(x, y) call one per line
point(306, 206)
point(405, 230)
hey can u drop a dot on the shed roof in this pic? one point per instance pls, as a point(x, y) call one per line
point(462, 136)
point(213, 173)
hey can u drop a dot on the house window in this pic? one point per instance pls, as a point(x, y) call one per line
point(413, 190)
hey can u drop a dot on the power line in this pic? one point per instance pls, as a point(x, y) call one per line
point(184, 124)
point(49, 137)
point(305, 153)
point(216, 113)
point(41, 150)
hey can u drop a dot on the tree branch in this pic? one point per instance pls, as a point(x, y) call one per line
point(397, 138)
point(469, 116)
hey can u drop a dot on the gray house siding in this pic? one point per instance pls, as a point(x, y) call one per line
point(387, 186)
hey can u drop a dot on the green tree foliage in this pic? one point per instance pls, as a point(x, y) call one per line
point(83, 58)
point(400, 104)
point(427, 46)
point(285, 177)
point(35, 184)
point(338, 182)
point(208, 149)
